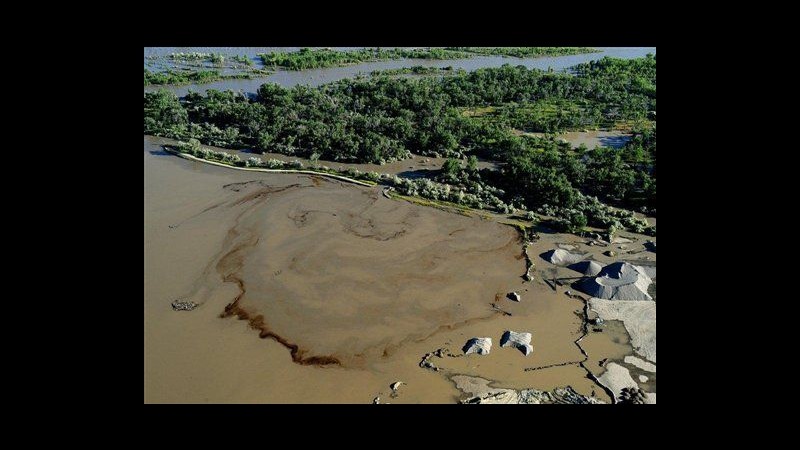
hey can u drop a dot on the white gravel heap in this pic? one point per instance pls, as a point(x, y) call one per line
point(619, 281)
point(588, 268)
point(561, 257)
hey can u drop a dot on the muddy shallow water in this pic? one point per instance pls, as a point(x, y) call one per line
point(349, 276)
point(340, 291)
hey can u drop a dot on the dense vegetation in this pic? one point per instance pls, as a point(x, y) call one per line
point(188, 77)
point(468, 114)
point(315, 58)
point(525, 52)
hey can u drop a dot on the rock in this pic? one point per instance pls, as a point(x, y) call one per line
point(643, 378)
point(480, 392)
point(521, 341)
point(396, 385)
point(513, 296)
point(179, 305)
point(481, 346)
point(631, 395)
point(376, 400)
point(610, 253)
point(425, 362)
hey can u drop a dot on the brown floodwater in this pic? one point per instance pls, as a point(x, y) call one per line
point(340, 291)
point(593, 138)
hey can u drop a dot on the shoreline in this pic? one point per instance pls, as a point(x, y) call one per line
point(254, 169)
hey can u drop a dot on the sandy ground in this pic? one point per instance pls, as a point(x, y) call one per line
point(339, 273)
point(639, 318)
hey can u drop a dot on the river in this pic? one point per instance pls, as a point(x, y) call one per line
point(316, 77)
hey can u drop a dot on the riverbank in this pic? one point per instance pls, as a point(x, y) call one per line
point(255, 169)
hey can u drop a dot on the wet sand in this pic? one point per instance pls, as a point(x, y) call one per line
point(340, 273)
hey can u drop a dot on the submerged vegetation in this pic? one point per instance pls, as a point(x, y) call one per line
point(416, 70)
point(525, 52)
point(243, 59)
point(198, 68)
point(467, 115)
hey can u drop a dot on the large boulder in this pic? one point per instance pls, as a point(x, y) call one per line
point(521, 341)
point(481, 346)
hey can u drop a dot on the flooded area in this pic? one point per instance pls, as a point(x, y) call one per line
point(591, 139)
point(312, 290)
point(316, 77)
point(326, 279)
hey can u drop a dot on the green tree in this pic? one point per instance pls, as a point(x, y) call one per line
point(577, 221)
point(472, 163)
point(451, 167)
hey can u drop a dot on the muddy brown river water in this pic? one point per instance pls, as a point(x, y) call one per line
point(318, 291)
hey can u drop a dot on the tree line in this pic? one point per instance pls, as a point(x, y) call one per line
point(383, 119)
point(307, 58)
